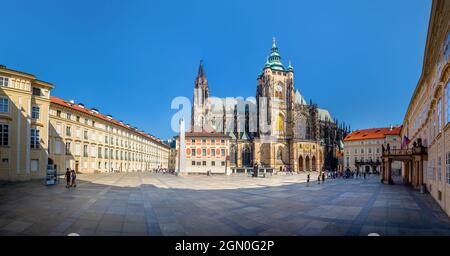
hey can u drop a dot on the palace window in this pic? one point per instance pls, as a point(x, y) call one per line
point(447, 172)
point(85, 151)
point(69, 116)
point(4, 104)
point(37, 91)
point(447, 103)
point(439, 169)
point(203, 152)
point(213, 152)
point(193, 163)
point(193, 151)
point(35, 112)
point(213, 163)
point(222, 152)
point(439, 115)
point(4, 81)
point(58, 113)
point(434, 125)
point(34, 139)
point(4, 134)
point(68, 131)
point(68, 148)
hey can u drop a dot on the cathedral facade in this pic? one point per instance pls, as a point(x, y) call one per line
point(276, 129)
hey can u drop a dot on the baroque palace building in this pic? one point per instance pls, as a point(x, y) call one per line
point(300, 136)
point(363, 148)
point(425, 151)
point(37, 130)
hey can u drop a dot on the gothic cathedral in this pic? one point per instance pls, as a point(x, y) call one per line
point(277, 129)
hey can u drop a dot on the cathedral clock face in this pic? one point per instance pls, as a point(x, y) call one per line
point(278, 88)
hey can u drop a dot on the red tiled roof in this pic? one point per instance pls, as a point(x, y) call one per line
point(103, 117)
point(373, 133)
point(204, 134)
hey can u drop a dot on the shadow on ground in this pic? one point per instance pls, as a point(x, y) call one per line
point(155, 204)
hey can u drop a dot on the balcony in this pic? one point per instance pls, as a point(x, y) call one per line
point(367, 162)
point(420, 150)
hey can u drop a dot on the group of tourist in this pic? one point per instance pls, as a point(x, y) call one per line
point(349, 174)
point(71, 178)
point(287, 170)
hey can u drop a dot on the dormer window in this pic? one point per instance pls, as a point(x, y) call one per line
point(37, 91)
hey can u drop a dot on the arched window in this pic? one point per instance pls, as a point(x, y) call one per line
point(280, 123)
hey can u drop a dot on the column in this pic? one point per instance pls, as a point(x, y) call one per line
point(420, 170)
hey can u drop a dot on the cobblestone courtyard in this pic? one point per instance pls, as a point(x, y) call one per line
point(157, 204)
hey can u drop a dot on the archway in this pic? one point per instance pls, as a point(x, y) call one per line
point(307, 164)
point(300, 164)
point(246, 156)
point(314, 164)
point(233, 155)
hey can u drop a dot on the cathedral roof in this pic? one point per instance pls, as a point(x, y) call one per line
point(324, 115)
point(299, 98)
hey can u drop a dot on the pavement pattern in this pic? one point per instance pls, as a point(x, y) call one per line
point(162, 204)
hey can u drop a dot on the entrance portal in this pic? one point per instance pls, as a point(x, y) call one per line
point(300, 164)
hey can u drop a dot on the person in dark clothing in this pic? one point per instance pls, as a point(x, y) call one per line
point(364, 175)
point(307, 178)
point(323, 177)
point(74, 178)
point(68, 177)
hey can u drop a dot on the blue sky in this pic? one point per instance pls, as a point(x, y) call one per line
point(360, 59)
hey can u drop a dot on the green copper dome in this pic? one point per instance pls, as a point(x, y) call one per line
point(274, 59)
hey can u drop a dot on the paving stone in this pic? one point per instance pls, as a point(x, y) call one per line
point(156, 204)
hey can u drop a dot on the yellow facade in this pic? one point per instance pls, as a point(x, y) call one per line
point(24, 119)
point(38, 130)
point(427, 119)
point(86, 142)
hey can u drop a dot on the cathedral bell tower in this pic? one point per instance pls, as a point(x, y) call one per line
point(200, 101)
point(276, 85)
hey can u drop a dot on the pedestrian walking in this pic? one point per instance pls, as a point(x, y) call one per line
point(323, 177)
point(74, 179)
point(68, 177)
point(307, 178)
point(364, 175)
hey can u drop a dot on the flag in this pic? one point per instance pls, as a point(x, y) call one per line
point(405, 142)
